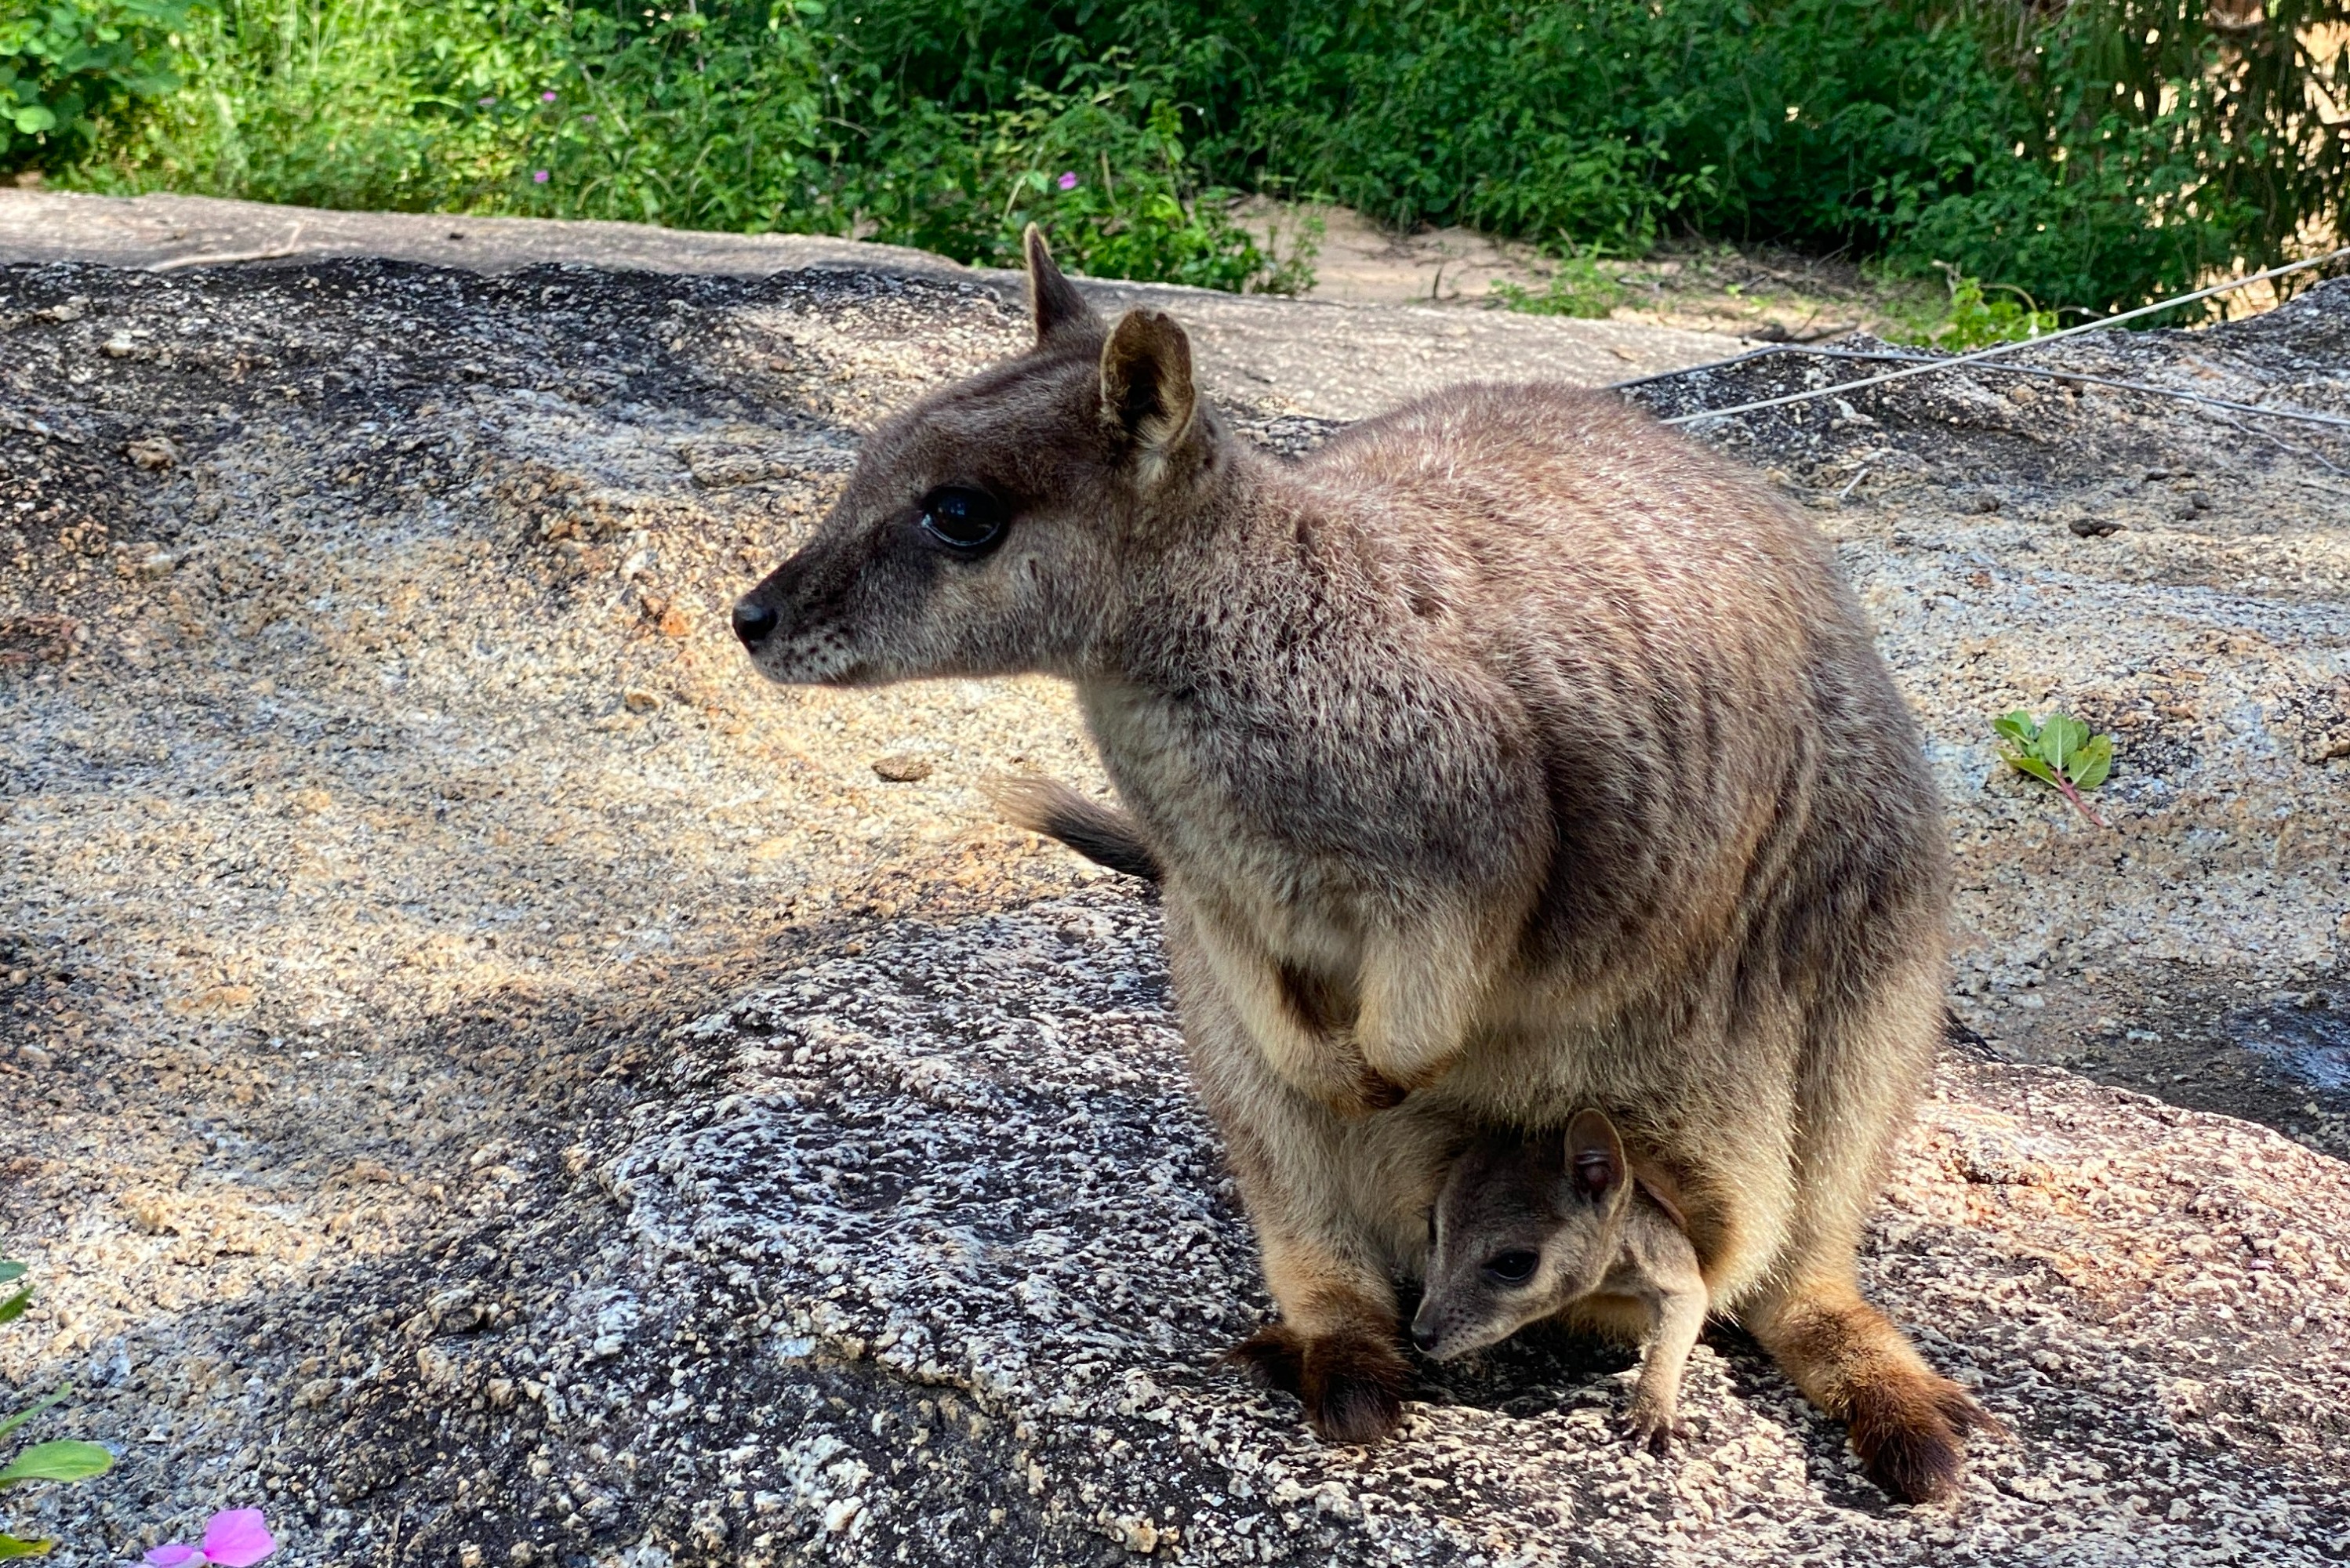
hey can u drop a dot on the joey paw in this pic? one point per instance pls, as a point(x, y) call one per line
point(1654, 1427)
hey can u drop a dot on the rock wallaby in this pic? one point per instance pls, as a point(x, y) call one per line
point(1505, 756)
point(1532, 1226)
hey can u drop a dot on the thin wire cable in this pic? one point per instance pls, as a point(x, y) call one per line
point(2307, 416)
point(1980, 355)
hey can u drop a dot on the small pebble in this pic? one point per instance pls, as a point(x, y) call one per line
point(154, 454)
point(902, 767)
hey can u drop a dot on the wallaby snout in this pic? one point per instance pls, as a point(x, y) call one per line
point(800, 624)
point(752, 622)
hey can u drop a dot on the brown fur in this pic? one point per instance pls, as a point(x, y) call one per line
point(1601, 1239)
point(1507, 755)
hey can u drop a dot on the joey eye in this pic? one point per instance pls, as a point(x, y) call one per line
point(1514, 1268)
point(964, 520)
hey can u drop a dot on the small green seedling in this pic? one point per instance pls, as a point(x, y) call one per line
point(2061, 753)
point(57, 1461)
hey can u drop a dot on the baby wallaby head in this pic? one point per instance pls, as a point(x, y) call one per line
point(1524, 1225)
point(987, 530)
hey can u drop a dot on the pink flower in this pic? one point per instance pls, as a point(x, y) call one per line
point(538, 176)
point(238, 1538)
point(1069, 181)
point(547, 97)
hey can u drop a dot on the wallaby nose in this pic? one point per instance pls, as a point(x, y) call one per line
point(752, 622)
point(1425, 1336)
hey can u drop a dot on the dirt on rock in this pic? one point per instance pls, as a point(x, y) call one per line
point(486, 1081)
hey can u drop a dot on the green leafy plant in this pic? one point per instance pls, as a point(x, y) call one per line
point(68, 63)
point(2060, 752)
point(1578, 287)
point(1099, 163)
point(1979, 317)
point(63, 1460)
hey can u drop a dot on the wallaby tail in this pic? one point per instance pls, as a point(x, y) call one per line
point(1102, 834)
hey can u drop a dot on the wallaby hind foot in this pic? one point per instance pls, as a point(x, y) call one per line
point(1907, 1422)
point(1351, 1382)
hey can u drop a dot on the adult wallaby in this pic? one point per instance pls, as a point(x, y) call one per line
point(1505, 756)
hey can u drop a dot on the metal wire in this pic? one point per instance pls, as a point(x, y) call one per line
point(1980, 355)
point(2308, 416)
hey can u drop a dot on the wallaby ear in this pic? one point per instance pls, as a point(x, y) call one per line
point(1595, 1155)
point(1146, 376)
point(1053, 299)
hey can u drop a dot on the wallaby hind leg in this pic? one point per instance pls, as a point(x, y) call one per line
point(1334, 1348)
point(1310, 1190)
point(1908, 1421)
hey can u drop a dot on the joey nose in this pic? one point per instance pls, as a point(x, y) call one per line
point(1425, 1336)
point(752, 622)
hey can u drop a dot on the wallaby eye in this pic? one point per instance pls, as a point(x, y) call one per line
point(964, 520)
point(1514, 1268)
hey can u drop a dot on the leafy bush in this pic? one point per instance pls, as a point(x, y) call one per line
point(67, 65)
point(1100, 164)
point(739, 118)
point(2092, 153)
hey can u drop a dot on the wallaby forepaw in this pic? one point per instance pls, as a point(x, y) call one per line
point(1958, 1408)
point(1367, 1093)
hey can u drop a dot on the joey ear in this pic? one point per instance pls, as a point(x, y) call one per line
point(1145, 377)
point(1595, 1155)
point(1053, 300)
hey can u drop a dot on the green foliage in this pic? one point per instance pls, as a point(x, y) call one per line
point(2060, 752)
point(2035, 145)
point(1100, 164)
point(67, 65)
point(1978, 317)
point(1578, 287)
point(742, 117)
point(63, 1460)
point(2089, 155)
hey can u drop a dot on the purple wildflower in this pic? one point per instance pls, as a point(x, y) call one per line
point(1068, 181)
point(546, 96)
point(235, 1538)
point(538, 176)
